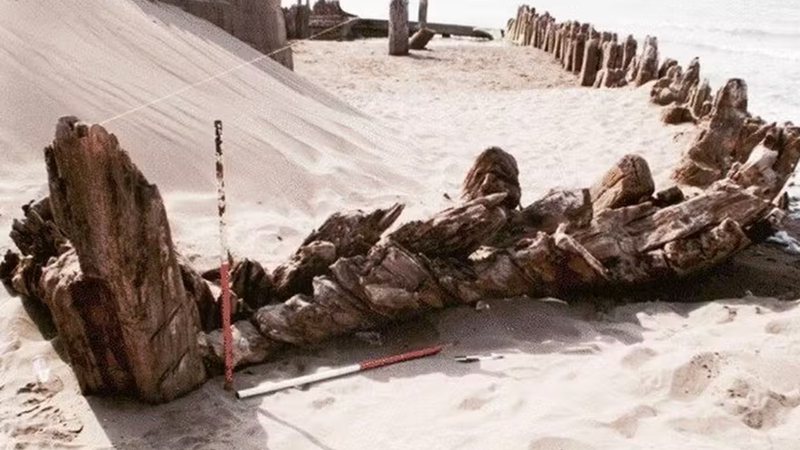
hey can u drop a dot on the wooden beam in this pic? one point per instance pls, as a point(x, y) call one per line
point(380, 28)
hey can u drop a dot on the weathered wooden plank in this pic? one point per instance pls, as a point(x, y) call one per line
point(627, 183)
point(380, 28)
point(126, 300)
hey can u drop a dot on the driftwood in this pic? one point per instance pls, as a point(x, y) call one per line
point(610, 78)
point(665, 66)
point(118, 299)
point(618, 233)
point(341, 236)
point(700, 100)
point(36, 235)
point(38, 239)
point(379, 28)
point(205, 296)
point(668, 197)
point(628, 52)
point(627, 183)
point(424, 35)
point(129, 310)
point(571, 207)
point(8, 267)
point(455, 232)
point(249, 345)
point(598, 58)
point(494, 172)
point(648, 65)
point(252, 285)
point(729, 137)
point(421, 38)
point(630, 245)
point(113, 310)
point(579, 47)
point(676, 86)
point(677, 114)
point(612, 74)
point(771, 164)
point(591, 61)
point(398, 27)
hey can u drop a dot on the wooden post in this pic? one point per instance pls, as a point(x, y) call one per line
point(398, 27)
point(424, 35)
point(118, 301)
point(591, 59)
point(224, 268)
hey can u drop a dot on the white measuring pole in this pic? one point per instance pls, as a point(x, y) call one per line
point(275, 386)
point(224, 261)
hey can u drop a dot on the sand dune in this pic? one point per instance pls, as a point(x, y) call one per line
point(290, 145)
point(644, 375)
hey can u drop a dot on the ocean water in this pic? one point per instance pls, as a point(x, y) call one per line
point(757, 40)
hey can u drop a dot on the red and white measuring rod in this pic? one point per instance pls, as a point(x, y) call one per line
point(275, 386)
point(224, 257)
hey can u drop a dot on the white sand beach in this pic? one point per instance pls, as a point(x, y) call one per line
point(353, 128)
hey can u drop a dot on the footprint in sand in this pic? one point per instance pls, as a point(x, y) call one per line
point(33, 420)
point(692, 379)
point(628, 424)
point(473, 403)
point(637, 357)
point(553, 443)
point(478, 400)
point(782, 326)
point(323, 402)
point(757, 406)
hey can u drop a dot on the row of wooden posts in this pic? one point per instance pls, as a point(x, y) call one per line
point(599, 58)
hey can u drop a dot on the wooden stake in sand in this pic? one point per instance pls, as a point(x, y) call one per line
point(423, 14)
point(275, 386)
point(424, 35)
point(224, 267)
point(398, 27)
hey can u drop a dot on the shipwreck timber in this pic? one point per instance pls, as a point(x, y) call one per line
point(349, 275)
point(137, 319)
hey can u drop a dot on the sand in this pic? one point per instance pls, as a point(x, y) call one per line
point(355, 129)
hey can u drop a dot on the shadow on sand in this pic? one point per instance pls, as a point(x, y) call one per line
point(211, 418)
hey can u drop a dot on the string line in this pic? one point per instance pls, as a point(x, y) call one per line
point(223, 73)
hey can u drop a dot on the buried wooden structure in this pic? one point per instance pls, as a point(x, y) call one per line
point(600, 59)
point(137, 319)
point(116, 291)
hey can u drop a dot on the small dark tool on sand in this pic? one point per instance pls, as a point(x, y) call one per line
point(477, 358)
